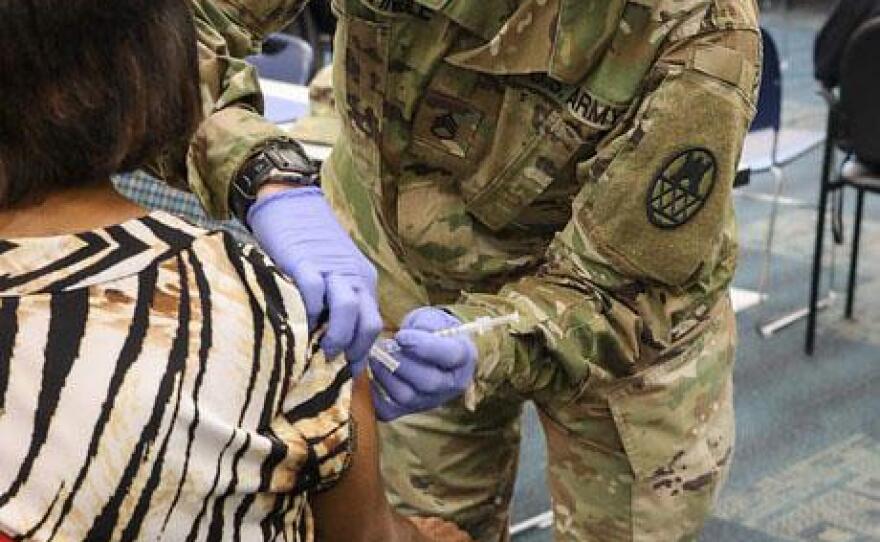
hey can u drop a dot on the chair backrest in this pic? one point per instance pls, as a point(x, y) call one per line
point(284, 58)
point(859, 90)
point(769, 114)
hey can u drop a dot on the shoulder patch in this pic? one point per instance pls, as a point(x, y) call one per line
point(681, 188)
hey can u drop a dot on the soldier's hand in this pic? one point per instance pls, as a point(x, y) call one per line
point(432, 369)
point(298, 230)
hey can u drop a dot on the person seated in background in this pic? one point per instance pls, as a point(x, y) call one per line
point(845, 18)
point(157, 380)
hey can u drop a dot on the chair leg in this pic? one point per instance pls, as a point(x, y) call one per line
point(817, 271)
point(765, 278)
point(824, 179)
point(854, 259)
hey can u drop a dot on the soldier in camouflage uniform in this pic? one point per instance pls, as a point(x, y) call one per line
point(570, 160)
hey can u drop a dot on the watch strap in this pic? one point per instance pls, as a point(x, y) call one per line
point(279, 161)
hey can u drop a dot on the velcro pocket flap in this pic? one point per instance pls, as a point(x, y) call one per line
point(725, 64)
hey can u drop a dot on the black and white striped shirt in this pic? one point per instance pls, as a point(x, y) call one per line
point(157, 382)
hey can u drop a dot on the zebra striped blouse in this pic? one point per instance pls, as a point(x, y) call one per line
point(157, 382)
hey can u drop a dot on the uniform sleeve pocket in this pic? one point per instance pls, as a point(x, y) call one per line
point(656, 205)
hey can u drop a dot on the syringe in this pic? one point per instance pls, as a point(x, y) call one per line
point(383, 348)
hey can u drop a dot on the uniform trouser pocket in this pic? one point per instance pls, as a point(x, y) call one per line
point(675, 422)
point(456, 464)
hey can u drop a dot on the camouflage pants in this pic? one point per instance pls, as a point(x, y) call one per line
point(638, 459)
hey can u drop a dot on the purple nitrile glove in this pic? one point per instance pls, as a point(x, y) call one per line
point(299, 231)
point(432, 369)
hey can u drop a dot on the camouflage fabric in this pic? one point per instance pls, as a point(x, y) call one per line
point(233, 129)
point(571, 160)
point(321, 125)
point(638, 458)
point(321, 103)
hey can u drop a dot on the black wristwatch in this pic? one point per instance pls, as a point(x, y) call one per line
point(278, 161)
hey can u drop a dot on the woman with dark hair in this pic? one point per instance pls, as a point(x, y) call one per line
point(157, 381)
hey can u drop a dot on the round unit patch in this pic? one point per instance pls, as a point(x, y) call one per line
point(681, 188)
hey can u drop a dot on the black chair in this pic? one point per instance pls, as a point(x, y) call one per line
point(854, 127)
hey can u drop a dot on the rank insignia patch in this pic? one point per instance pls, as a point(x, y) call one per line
point(681, 188)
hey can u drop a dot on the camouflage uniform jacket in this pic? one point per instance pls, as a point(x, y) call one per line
point(234, 128)
point(571, 160)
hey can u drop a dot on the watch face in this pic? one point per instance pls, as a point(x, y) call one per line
point(261, 165)
point(290, 159)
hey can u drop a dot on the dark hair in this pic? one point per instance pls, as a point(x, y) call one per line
point(89, 88)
